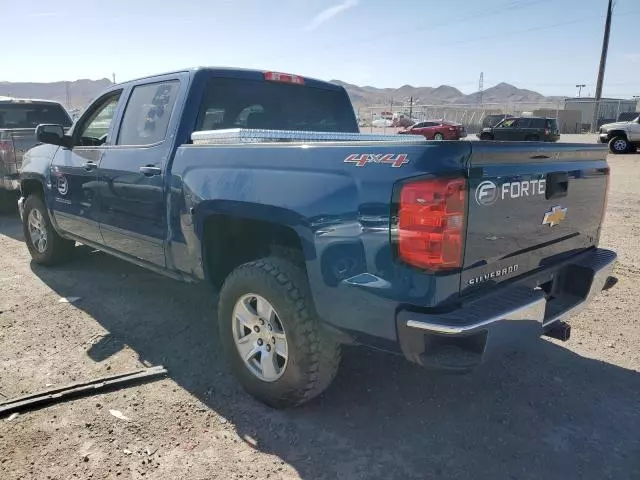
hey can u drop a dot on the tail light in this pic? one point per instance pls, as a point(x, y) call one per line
point(6, 151)
point(431, 223)
point(452, 129)
point(547, 131)
point(283, 77)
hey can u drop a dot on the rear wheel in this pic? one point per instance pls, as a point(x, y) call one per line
point(486, 136)
point(438, 136)
point(275, 344)
point(45, 245)
point(619, 145)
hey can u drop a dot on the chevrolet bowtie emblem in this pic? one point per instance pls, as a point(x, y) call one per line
point(554, 216)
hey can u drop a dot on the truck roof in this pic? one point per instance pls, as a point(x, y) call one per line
point(26, 100)
point(249, 74)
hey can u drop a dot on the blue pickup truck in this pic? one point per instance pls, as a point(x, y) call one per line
point(317, 236)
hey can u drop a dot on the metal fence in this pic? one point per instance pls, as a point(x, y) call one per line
point(574, 115)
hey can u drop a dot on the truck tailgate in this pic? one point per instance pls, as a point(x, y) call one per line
point(16, 143)
point(530, 206)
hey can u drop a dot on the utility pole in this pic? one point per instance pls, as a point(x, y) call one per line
point(580, 86)
point(480, 87)
point(114, 77)
point(411, 107)
point(66, 85)
point(603, 64)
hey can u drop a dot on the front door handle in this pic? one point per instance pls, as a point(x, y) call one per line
point(89, 165)
point(150, 170)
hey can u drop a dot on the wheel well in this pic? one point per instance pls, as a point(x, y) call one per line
point(30, 187)
point(229, 242)
point(617, 133)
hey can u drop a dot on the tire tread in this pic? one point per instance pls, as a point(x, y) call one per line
point(323, 352)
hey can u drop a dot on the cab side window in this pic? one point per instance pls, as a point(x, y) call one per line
point(146, 117)
point(94, 130)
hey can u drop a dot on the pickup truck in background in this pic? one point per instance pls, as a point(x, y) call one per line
point(18, 120)
point(318, 236)
point(622, 137)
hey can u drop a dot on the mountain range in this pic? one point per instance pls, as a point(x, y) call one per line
point(442, 95)
point(76, 94)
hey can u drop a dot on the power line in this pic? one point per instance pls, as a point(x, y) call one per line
point(502, 34)
point(467, 17)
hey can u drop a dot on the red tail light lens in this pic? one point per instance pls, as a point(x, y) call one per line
point(431, 223)
point(547, 131)
point(6, 151)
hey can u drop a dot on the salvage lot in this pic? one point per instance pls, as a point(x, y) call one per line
point(552, 411)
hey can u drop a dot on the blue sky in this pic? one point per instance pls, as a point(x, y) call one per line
point(545, 45)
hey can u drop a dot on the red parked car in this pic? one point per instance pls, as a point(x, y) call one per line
point(437, 130)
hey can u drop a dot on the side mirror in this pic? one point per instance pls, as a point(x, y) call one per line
point(49, 133)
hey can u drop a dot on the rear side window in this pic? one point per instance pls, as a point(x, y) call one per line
point(147, 115)
point(241, 103)
point(30, 115)
point(551, 123)
point(537, 123)
point(525, 123)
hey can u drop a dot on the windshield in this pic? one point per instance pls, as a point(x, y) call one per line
point(240, 103)
point(30, 115)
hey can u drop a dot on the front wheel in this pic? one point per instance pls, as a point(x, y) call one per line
point(45, 245)
point(486, 136)
point(619, 145)
point(272, 337)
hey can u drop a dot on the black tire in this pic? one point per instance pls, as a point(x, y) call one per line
point(619, 145)
point(313, 354)
point(486, 136)
point(438, 136)
point(57, 249)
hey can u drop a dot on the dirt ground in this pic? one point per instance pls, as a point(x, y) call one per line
point(557, 410)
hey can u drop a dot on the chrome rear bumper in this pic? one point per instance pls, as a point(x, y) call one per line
point(504, 315)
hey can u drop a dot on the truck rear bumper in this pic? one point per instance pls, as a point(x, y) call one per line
point(462, 339)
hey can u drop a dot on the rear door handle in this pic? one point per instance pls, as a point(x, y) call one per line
point(89, 165)
point(150, 170)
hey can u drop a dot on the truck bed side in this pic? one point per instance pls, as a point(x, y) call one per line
point(339, 211)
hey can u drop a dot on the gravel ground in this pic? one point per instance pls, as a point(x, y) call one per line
point(557, 410)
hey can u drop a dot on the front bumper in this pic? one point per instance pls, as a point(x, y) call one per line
point(603, 138)
point(460, 340)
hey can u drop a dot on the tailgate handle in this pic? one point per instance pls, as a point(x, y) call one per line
point(557, 185)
